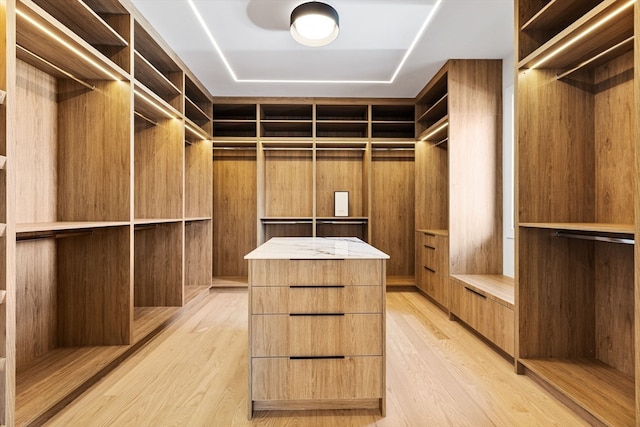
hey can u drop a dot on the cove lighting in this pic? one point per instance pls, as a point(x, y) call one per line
point(435, 131)
point(194, 131)
point(584, 33)
point(154, 104)
point(235, 78)
point(64, 43)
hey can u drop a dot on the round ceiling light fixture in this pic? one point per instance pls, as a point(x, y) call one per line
point(314, 24)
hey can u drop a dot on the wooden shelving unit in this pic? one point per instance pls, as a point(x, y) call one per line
point(111, 230)
point(459, 189)
point(300, 151)
point(575, 300)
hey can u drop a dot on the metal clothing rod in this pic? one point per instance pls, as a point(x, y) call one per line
point(54, 235)
point(340, 148)
point(589, 61)
point(287, 149)
point(235, 148)
point(286, 222)
point(66, 73)
point(343, 222)
point(145, 118)
point(596, 238)
point(393, 148)
point(440, 142)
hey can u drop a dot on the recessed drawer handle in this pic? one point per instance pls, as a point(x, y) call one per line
point(430, 269)
point(315, 286)
point(316, 314)
point(430, 247)
point(476, 293)
point(314, 357)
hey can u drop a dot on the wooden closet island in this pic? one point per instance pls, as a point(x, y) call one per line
point(316, 324)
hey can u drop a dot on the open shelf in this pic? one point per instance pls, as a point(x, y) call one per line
point(42, 227)
point(613, 20)
point(153, 79)
point(604, 392)
point(437, 132)
point(583, 226)
point(82, 20)
point(47, 40)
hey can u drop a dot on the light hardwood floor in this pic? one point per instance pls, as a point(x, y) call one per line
point(195, 374)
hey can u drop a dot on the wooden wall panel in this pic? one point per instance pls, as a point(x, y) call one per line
point(288, 184)
point(557, 314)
point(614, 306)
point(392, 209)
point(94, 151)
point(475, 197)
point(36, 290)
point(434, 192)
point(234, 211)
point(35, 157)
point(158, 169)
point(339, 171)
point(614, 132)
point(94, 292)
point(556, 183)
point(158, 266)
point(197, 253)
point(198, 183)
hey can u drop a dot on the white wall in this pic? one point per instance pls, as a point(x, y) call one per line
point(508, 247)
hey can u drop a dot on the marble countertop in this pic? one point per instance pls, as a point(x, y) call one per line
point(316, 248)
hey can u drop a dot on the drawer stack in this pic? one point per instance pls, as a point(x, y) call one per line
point(316, 334)
point(432, 265)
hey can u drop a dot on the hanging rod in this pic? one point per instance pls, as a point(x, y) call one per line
point(142, 227)
point(277, 222)
point(340, 148)
point(288, 149)
point(235, 148)
point(440, 142)
point(342, 222)
point(393, 148)
point(54, 235)
point(589, 61)
point(55, 67)
point(145, 118)
point(596, 238)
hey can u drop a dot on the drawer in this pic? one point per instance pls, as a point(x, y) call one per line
point(494, 321)
point(316, 299)
point(332, 272)
point(427, 239)
point(316, 335)
point(306, 379)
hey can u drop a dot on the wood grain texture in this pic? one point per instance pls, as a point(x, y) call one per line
point(36, 154)
point(159, 154)
point(283, 335)
point(438, 374)
point(93, 155)
point(234, 211)
point(197, 254)
point(198, 180)
point(636, 203)
point(494, 321)
point(158, 266)
point(392, 209)
point(93, 289)
point(288, 183)
point(284, 272)
point(281, 300)
point(339, 171)
point(432, 186)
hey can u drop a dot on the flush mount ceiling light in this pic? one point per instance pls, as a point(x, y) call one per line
point(314, 24)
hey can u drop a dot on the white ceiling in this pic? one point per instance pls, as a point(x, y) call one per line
point(366, 60)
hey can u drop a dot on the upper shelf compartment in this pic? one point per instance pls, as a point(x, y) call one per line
point(105, 28)
point(48, 44)
point(198, 107)
point(600, 34)
point(156, 69)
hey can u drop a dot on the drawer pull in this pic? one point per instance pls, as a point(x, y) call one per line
point(315, 286)
point(316, 314)
point(476, 293)
point(430, 269)
point(314, 357)
point(430, 247)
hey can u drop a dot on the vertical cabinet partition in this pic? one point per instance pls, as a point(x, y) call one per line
point(577, 204)
point(294, 154)
point(112, 195)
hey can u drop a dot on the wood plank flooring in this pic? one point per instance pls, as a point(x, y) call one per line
point(195, 374)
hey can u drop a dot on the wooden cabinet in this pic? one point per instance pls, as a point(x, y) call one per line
point(432, 265)
point(109, 177)
point(577, 203)
point(485, 303)
point(458, 179)
point(316, 325)
point(305, 151)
